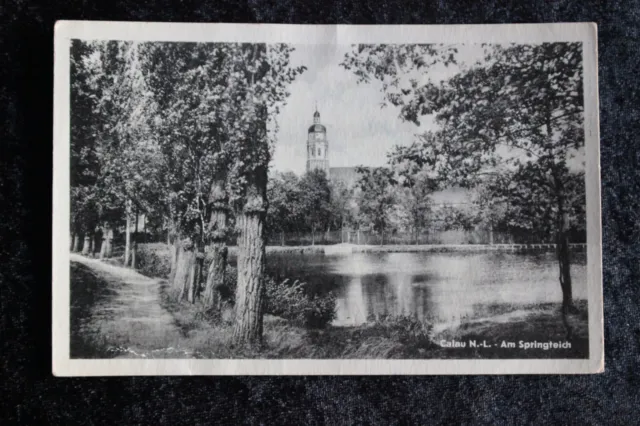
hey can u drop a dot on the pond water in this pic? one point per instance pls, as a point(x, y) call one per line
point(440, 287)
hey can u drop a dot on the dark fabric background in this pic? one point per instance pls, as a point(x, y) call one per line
point(29, 394)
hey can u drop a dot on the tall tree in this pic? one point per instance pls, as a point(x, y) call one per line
point(84, 159)
point(376, 196)
point(414, 171)
point(341, 206)
point(260, 79)
point(286, 209)
point(109, 108)
point(195, 102)
point(129, 154)
point(316, 200)
point(519, 114)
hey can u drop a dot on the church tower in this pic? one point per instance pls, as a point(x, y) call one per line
point(317, 146)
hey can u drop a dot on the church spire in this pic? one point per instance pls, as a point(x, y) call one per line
point(317, 145)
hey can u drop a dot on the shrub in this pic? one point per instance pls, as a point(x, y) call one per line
point(153, 260)
point(290, 301)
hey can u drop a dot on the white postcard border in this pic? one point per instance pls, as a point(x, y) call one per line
point(322, 34)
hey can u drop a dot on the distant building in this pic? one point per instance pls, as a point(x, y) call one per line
point(317, 146)
point(318, 154)
point(318, 158)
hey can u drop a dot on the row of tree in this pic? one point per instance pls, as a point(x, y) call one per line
point(383, 199)
point(398, 199)
point(183, 131)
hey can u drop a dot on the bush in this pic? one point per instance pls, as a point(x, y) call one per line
point(290, 301)
point(153, 260)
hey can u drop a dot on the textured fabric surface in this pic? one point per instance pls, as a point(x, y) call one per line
point(30, 395)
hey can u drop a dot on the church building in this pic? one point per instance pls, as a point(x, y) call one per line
point(317, 146)
point(318, 158)
point(318, 154)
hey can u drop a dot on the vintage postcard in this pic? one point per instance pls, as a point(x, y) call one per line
point(326, 200)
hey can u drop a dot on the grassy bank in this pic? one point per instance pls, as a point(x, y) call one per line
point(390, 338)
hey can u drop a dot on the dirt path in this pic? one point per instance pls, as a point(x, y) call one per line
point(123, 317)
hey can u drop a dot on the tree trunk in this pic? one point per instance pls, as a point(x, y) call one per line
point(251, 263)
point(97, 243)
point(134, 242)
point(491, 234)
point(173, 242)
point(127, 238)
point(105, 246)
point(188, 273)
point(282, 238)
point(186, 264)
point(564, 264)
point(218, 234)
point(86, 246)
point(216, 275)
point(73, 240)
point(195, 273)
point(109, 242)
point(181, 270)
point(92, 240)
point(175, 252)
point(76, 242)
point(105, 238)
point(250, 291)
point(313, 236)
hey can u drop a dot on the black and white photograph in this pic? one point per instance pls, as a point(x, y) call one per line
point(274, 199)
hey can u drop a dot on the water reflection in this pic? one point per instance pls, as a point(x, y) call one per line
point(441, 287)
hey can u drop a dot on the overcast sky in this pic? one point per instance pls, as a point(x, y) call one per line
point(358, 130)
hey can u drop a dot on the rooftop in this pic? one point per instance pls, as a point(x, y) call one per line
point(317, 128)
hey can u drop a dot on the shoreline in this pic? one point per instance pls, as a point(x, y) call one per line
point(426, 248)
point(502, 331)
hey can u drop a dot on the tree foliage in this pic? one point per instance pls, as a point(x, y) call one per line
point(113, 159)
point(402, 71)
point(417, 177)
point(316, 196)
point(376, 196)
point(515, 118)
point(300, 204)
point(512, 123)
point(286, 209)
